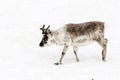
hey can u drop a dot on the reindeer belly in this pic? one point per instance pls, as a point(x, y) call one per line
point(81, 41)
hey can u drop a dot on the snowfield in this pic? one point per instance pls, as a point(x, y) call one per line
point(21, 58)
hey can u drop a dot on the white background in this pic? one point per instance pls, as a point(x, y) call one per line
point(21, 58)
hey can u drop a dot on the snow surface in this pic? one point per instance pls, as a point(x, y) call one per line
point(21, 58)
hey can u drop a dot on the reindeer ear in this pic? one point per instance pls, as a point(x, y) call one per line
point(49, 31)
point(41, 29)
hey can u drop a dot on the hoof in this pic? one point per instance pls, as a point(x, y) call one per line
point(104, 59)
point(58, 63)
point(78, 60)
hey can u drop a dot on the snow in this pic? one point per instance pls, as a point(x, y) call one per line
point(21, 58)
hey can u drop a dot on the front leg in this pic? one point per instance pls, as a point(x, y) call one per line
point(63, 53)
point(75, 52)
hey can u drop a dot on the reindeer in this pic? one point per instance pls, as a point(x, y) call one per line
point(75, 35)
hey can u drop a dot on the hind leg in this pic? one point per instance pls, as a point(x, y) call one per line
point(104, 50)
point(103, 42)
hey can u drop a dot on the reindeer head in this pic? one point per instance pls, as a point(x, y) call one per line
point(46, 36)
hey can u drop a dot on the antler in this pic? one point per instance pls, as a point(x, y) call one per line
point(45, 31)
point(42, 27)
point(48, 27)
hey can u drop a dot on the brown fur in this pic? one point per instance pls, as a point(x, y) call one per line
point(84, 28)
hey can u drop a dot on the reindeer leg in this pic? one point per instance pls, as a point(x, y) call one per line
point(75, 52)
point(103, 43)
point(104, 50)
point(63, 53)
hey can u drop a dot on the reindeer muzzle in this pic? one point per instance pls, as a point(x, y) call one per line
point(41, 44)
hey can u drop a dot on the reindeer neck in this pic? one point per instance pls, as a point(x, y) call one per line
point(58, 37)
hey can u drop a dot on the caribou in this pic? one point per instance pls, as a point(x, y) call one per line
point(75, 35)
